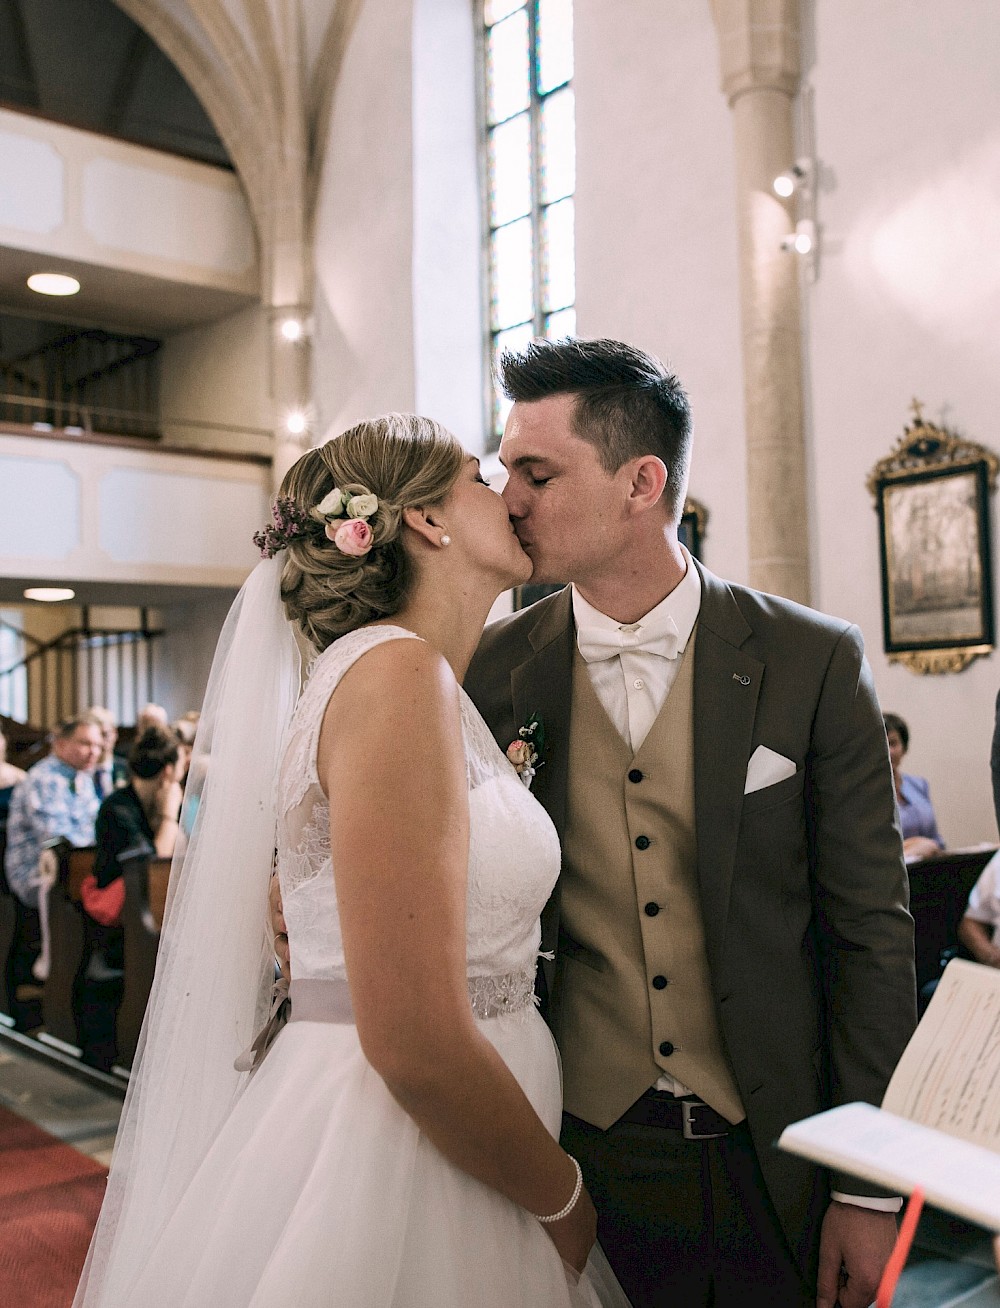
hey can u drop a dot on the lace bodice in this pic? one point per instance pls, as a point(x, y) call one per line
point(513, 847)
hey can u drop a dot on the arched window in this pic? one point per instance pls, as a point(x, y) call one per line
point(531, 175)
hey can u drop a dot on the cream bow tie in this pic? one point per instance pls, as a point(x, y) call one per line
point(598, 643)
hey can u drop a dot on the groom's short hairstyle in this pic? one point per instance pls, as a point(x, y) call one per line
point(627, 403)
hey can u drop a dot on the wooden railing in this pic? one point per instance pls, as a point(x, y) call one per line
point(87, 379)
point(84, 665)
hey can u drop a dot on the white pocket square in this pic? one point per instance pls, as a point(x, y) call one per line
point(767, 768)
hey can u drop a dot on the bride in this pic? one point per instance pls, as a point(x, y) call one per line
point(396, 1146)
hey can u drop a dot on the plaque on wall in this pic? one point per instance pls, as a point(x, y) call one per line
point(932, 499)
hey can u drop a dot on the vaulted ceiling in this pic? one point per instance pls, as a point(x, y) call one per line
point(87, 63)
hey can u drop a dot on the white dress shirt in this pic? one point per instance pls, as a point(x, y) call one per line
point(633, 684)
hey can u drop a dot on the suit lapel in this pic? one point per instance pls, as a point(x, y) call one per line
point(542, 685)
point(727, 684)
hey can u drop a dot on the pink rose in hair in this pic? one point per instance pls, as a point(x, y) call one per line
point(353, 536)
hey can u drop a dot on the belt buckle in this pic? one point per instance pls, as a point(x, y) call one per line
point(688, 1123)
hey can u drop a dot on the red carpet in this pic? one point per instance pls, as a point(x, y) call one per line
point(50, 1195)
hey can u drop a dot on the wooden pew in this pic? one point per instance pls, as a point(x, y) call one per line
point(66, 933)
point(145, 894)
point(7, 918)
point(939, 892)
point(159, 877)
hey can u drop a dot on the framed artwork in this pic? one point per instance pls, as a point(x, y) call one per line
point(932, 499)
point(691, 535)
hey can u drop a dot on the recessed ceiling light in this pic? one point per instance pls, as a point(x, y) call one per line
point(49, 594)
point(53, 284)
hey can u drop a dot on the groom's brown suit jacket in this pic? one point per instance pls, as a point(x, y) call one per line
point(802, 884)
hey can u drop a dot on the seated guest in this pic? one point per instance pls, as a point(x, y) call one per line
point(150, 715)
point(921, 838)
point(56, 798)
point(112, 770)
point(138, 818)
point(979, 929)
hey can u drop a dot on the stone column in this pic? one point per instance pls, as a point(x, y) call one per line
point(290, 388)
point(759, 47)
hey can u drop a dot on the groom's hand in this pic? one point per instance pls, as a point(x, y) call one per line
point(854, 1247)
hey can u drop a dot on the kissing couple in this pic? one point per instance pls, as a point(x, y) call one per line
point(707, 862)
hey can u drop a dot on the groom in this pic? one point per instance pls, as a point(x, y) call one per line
point(732, 944)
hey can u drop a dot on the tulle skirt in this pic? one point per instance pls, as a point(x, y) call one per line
point(320, 1192)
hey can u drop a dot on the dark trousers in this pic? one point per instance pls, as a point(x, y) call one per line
point(95, 1008)
point(97, 995)
point(686, 1223)
point(23, 991)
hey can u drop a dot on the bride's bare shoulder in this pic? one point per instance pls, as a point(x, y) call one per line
point(399, 676)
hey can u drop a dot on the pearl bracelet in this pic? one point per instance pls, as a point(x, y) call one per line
point(568, 1208)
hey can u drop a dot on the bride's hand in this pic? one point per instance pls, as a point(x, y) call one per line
point(574, 1236)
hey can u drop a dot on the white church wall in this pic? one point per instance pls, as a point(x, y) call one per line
point(213, 384)
point(907, 304)
point(656, 227)
point(182, 657)
point(363, 343)
point(447, 263)
point(398, 271)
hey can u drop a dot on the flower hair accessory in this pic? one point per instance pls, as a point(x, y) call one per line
point(345, 515)
point(288, 523)
point(524, 753)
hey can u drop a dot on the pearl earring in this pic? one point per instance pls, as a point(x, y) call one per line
point(445, 540)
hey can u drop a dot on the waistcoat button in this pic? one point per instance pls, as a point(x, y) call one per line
point(666, 1049)
point(659, 983)
point(651, 909)
point(635, 775)
point(642, 842)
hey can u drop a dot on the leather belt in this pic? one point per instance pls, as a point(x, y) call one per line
point(693, 1118)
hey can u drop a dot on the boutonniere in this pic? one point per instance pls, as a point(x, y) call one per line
point(525, 752)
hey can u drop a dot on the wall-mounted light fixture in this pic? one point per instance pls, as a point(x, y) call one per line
point(293, 329)
point(796, 178)
point(798, 185)
point(296, 423)
point(803, 239)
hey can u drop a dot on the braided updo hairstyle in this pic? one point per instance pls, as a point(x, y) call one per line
point(408, 462)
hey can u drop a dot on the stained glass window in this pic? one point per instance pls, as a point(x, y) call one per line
point(531, 175)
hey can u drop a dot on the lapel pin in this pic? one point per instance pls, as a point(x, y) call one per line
point(744, 681)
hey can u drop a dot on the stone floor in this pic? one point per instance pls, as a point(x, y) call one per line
point(78, 1108)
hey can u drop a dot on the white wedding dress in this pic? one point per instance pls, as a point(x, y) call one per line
point(319, 1191)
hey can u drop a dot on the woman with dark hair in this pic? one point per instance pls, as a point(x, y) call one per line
point(139, 819)
point(921, 838)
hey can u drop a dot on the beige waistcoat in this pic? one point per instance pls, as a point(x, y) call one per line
point(610, 1020)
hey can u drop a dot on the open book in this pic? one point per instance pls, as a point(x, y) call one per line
point(939, 1124)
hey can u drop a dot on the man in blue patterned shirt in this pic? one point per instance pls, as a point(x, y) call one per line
point(56, 798)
